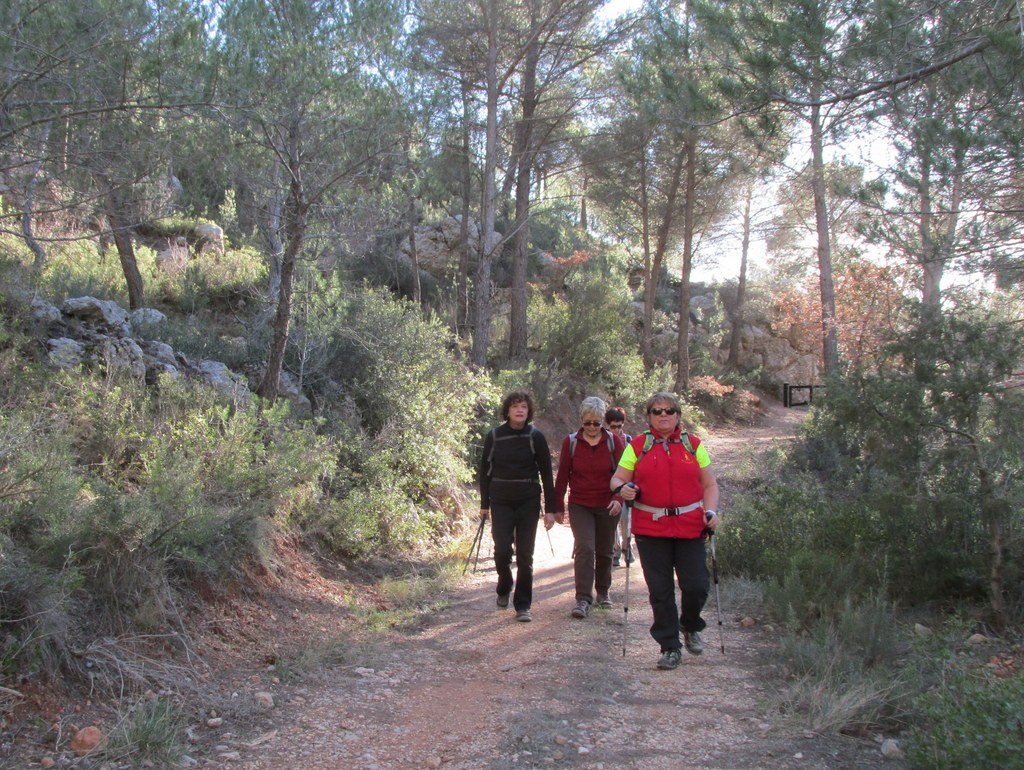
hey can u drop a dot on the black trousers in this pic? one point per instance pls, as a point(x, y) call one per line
point(593, 532)
point(665, 560)
point(515, 524)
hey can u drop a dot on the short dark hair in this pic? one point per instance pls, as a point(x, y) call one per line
point(515, 397)
point(615, 414)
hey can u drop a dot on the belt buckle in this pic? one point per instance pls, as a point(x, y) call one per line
point(671, 511)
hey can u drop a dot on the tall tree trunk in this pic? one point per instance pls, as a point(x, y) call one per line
point(38, 252)
point(829, 331)
point(584, 225)
point(121, 233)
point(482, 330)
point(417, 293)
point(741, 285)
point(645, 244)
point(462, 304)
point(294, 221)
point(520, 298)
point(273, 227)
point(653, 277)
point(689, 216)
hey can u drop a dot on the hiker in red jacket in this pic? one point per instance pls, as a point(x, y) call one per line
point(667, 473)
point(586, 464)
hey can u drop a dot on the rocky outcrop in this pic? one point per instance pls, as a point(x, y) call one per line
point(438, 246)
point(100, 334)
point(777, 357)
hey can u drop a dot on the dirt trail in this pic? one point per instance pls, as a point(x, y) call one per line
point(472, 688)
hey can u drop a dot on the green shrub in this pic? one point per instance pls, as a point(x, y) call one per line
point(402, 407)
point(227, 281)
point(971, 720)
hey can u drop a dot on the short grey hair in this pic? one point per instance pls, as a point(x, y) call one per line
point(662, 397)
point(593, 406)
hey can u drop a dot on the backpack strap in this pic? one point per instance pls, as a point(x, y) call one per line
point(574, 438)
point(684, 439)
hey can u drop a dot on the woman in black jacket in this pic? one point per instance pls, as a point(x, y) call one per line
point(515, 455)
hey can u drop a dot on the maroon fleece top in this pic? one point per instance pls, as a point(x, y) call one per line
point(587, 473)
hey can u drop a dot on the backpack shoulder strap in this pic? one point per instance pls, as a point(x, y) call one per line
point(573, 438)
point(490, 457)
point(611, 450)
point(648, 443)
point(684, 439)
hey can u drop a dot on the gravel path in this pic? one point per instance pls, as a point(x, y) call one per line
point(473, 689)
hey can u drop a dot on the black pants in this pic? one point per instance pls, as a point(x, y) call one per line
point(664, 560)
point(593, 532)
point(515, 523)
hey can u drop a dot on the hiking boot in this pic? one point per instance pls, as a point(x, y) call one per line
point(503, 600)
point(581, 610)
point(604, 602)
point(616, 561)
point(669, 659)
point(523, 616)
point(694, 644)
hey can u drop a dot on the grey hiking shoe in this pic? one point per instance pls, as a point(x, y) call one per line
point(694, 644)
point(604, 602)
point(523, 616)
point(581, 610)
point(669, 659)
point(503, 600)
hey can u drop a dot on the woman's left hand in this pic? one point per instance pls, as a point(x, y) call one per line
point(614, 508)
point(549, 520)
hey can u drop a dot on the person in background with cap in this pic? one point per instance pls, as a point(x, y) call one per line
point(667, 473)
point(614, 419)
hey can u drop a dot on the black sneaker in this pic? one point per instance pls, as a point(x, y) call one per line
point(503, 600)
point(581, 610)
point(694, 644)
point(523, 616)
point(669, 659)
point(604, 602)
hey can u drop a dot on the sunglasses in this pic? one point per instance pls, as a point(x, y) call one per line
point(615, 425)
point(591, 424)
point(669, 411)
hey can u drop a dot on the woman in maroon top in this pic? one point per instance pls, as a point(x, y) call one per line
point(585, 467)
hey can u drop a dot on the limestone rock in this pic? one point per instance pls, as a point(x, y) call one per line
point(65, 353)
point(209, 237)
point(100, 312)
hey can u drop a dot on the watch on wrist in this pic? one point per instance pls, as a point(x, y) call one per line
point(709, 512)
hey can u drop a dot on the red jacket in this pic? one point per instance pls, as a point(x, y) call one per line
point(668, 480)
point(587, 473)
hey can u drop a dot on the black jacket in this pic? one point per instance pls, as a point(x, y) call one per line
point(510, 465)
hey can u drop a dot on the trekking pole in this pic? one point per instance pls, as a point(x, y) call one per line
point(550, 545)
point(625, 547)
point(479, 542)
point(473, 546)
point(714, 577)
